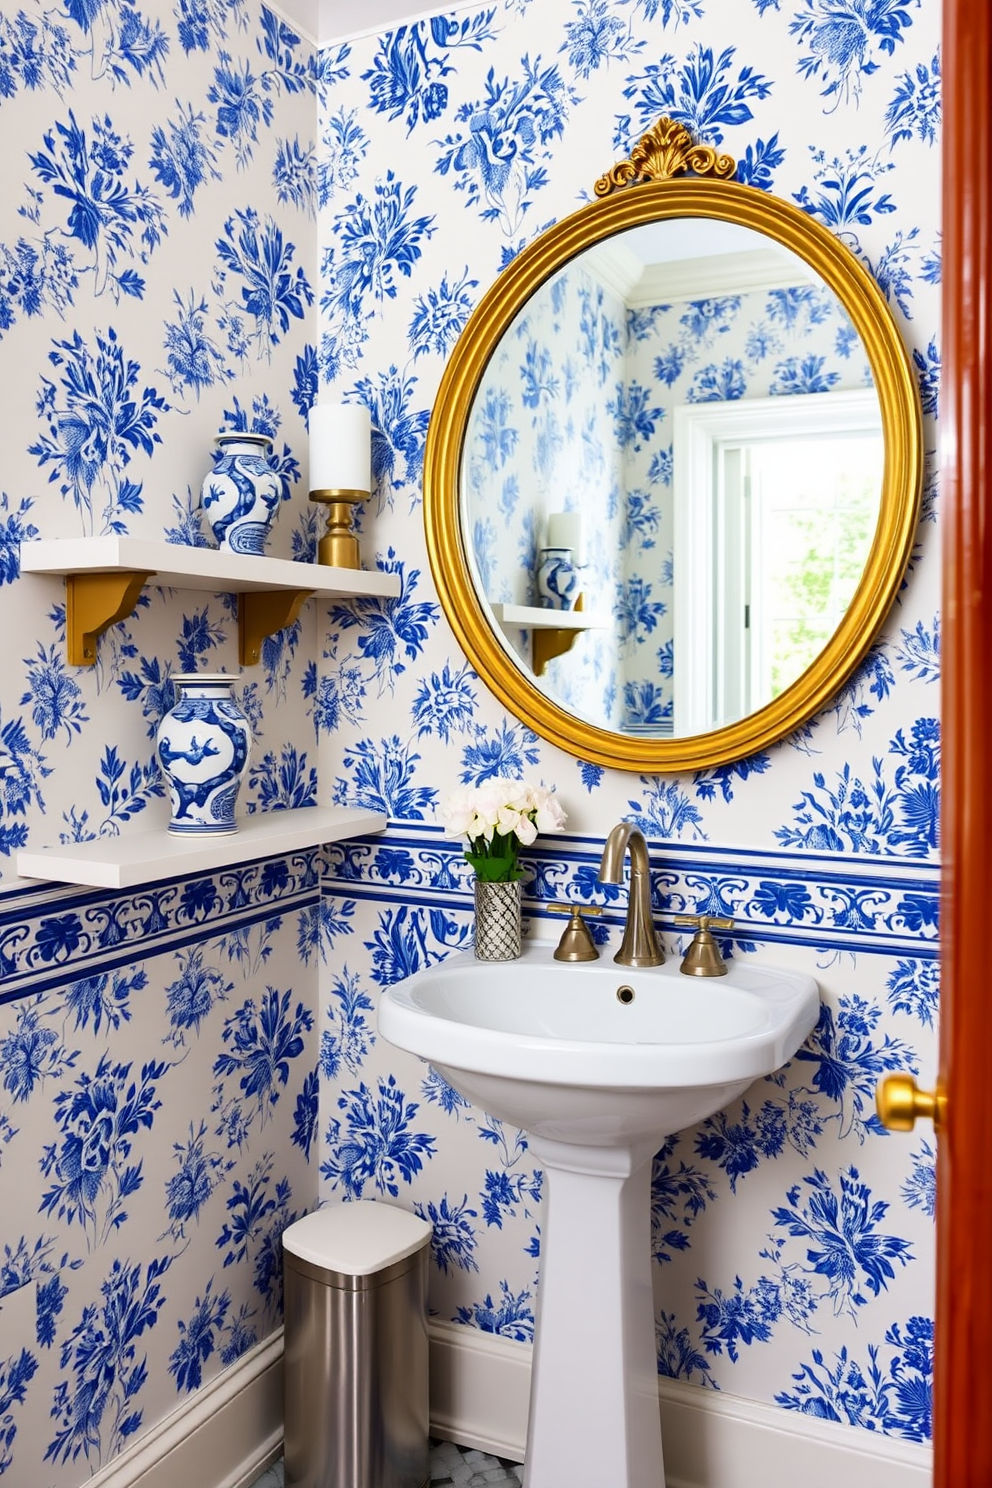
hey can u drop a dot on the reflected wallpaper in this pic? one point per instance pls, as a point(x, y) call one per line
point(576, 407)
point(541, 439)
point(204, 223)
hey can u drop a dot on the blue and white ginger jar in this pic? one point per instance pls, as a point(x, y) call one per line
point(204, 743)
point(241, 493)
point(557, 579)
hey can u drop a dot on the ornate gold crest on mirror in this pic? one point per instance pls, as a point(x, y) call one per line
point(673, 471)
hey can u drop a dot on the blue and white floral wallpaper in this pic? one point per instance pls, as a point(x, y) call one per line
point(158, 1048)
point(158, 1112)
point(202, 221)
point(793, 1237)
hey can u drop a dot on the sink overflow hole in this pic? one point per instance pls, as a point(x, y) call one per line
point(625, 995)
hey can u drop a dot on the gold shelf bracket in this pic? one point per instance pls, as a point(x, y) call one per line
point(94, 602)
point(263, 612)
point(545, 645)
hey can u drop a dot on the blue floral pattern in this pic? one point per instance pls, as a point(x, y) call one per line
point(71, 1066)
point(842, 851)
point(185, 1067)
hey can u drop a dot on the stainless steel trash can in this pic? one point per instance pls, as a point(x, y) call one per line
point(355, 1360)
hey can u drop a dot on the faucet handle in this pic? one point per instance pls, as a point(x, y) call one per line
point(703, 922)
point(576, 943)
point(703, 956)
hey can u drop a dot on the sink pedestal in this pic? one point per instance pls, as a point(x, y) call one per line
point(596, 1063)
point(594, 1414)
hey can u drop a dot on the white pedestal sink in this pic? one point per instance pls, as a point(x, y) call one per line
point(598, 1063)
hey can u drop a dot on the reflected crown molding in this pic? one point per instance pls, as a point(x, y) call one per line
point(720, 274)
point(640, 284)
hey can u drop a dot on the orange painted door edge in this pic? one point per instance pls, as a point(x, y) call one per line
point(963, 1365)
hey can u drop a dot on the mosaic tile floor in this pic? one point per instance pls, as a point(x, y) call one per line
point(469, 1468)
point(451, 1467)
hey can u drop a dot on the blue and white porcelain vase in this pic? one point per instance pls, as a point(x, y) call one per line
point(557, 579)
point(204, 743)
point(241, 493)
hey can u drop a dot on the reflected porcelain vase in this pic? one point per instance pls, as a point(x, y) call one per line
point(497, 921)
point(204, 744)
point(557, 579)
point(241, 493)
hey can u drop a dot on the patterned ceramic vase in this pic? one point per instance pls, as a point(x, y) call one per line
point(497, 921)
point(557, 579)
point(203, 743)
point(241, 492)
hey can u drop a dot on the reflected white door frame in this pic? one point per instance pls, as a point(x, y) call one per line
point(711, 538)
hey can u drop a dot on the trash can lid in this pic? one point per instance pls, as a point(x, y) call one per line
point(356, 1238)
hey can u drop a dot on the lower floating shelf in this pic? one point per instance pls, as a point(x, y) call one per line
point(142, 857)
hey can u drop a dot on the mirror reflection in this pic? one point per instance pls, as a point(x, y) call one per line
point(671, 477)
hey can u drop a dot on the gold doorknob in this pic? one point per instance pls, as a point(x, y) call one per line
point(900, 1102)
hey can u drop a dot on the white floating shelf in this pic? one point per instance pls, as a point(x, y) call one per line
point(104, 577)
point(175, 567)
point(142, 857)
point(535, 617)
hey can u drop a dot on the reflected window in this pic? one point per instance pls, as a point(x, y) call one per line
point(811, 507)
point(776, 503)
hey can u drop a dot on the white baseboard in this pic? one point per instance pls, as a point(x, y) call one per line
point(479, 1391)
point(480, 1386)
point(224, 1436)
point(716, 1440)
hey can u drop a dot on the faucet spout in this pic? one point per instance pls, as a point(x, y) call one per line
point(640, 943)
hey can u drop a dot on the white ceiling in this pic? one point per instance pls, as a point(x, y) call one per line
point(330, 20)
point(344, 17)
point(692, 237)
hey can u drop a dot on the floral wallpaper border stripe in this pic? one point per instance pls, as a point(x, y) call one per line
point(883, 906)
point(42, 941)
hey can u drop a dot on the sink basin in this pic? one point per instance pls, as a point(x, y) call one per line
point(597, 1063)
point(552, 1047)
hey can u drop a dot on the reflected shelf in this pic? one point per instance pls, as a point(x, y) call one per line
point(554, 631)
point(137, 858)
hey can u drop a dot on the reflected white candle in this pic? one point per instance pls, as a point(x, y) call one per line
point(565, 531)
point(340, 447)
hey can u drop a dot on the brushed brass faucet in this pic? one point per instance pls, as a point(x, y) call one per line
point(640, 943)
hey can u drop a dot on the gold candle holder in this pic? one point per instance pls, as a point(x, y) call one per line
point(339, 545)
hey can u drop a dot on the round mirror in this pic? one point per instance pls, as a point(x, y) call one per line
point(672, 474)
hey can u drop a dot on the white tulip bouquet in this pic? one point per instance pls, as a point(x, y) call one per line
point(496, 819)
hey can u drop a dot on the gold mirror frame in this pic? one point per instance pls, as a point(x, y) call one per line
point(641, 190)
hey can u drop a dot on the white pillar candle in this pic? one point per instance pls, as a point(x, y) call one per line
point(565, 530)
point(340, 447)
